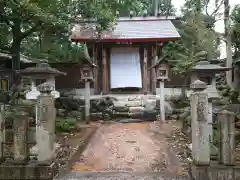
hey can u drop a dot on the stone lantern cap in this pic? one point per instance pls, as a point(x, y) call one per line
point(198, 85)
point(41, 71)
point(206, 67)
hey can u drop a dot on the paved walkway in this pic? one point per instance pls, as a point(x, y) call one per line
point(129, 148)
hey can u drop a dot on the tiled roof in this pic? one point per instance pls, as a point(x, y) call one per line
point(136, 29)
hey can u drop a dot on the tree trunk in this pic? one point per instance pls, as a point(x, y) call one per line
point(155, 7)
point(16, 45)
point(184, 89)
point(198, 6)
point(15, 51)
point(228, 41)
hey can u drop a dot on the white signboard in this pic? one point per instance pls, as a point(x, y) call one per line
point(125, 68)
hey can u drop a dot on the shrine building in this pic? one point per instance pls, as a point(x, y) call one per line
point(124, 54)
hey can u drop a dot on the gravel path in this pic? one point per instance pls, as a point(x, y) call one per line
point(133, 147)
point(119, 176)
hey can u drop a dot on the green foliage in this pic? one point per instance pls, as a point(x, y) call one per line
point(66, 124)
point(40, 29)
point(198, 42)
point(230, 94)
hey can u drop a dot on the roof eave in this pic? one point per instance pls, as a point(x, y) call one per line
point(147, 18)
point(144, 40)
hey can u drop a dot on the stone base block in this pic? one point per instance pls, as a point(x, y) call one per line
point(199, 172)
point(30, 171)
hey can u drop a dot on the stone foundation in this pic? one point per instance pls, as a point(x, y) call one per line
point(32, 170)
point(215, 171)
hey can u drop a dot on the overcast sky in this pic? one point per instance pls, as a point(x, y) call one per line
point(219, 25)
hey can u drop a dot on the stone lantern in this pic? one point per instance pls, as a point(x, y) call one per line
point(206, 72)
point(42, 71)
point(162, 74)
point(86, 72)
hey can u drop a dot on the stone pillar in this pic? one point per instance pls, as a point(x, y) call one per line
point(20, 125)
point(162, 101)
point(87, 101)
point(199, 115)
point(45, 133)
point(226, 122)
point(210, 120)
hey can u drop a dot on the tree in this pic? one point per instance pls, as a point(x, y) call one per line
point(164, 7)
point(228, 40)
point(198, 39)
point(40, 29)
point(236, 31)
point(24, 20)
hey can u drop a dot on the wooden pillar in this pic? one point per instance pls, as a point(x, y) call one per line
point(145, 71)
point(153, 73)
point(95, 71)
point(2, 134)
point(105, 70)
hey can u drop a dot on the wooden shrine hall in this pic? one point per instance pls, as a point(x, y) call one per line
point(124, 55)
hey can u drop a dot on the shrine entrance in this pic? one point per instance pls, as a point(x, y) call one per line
point(125, 69)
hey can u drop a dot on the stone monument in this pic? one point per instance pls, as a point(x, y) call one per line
point(45, 167)
point(200, 135)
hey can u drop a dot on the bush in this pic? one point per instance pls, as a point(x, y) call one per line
point(66, 124)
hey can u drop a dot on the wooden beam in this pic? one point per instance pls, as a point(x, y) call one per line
point(96, 70)
point(105, 69)
point(153, 73)
point(145, 71)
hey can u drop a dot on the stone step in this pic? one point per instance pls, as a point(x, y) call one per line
point(136, 109)
point(121, 103)
point(119, 176)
